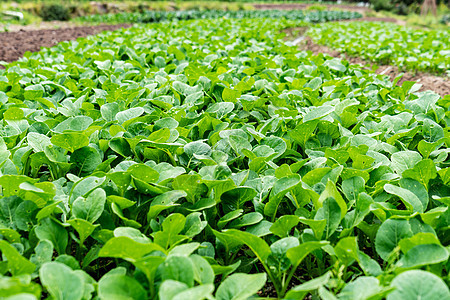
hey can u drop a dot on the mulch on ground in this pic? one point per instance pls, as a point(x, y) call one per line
point(14, 44)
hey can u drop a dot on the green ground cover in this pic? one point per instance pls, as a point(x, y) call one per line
point(387, 43)
point(159, 16)
point(211, 159)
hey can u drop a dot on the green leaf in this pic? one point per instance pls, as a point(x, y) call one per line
point(235, 199)
point(389, 235)
point(283, 225)
point(362, 288)
point(85, 159)
point(408, 198)
point(230, 95)
point(83, 227)
point(118, 286)
point(303, 132)
point(368, 265)
point(70, 141)
point(297, 254)
point(90, 208)
point(281, 187)
point(17, 264)
point(318, 113)
point(422, 255)
point(174, 290)
point(61, 282)
point(300, 291)
point(418, 284)
point(240, 286)
point(423, 172)
point(331, 191)
point(126, 248)
point(347, 250)
point(179, 268)
point(331, 212)
point(164, 201)
point(256, 244)
point(404, 160)
point(55, 233)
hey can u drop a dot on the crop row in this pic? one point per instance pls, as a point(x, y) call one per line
point(210, 159)
point(386, 43)
point(159, 16)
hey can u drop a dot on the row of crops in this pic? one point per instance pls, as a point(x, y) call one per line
point(210, 159)
point(159, 16)
point(387, 43)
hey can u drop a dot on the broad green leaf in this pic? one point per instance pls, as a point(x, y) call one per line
point(300, 291)
point(279, 190)
point(256, 244)
point(16, 263)
point(126, 248)
point(421, 255)
point(240, 286)
point(418, 284)
point(235, 199)
point(404, 160)
point(117, 287)
point(70, 141)
point(389, 235)
point(283, 225)
point(331, 191)
point(423, 172)
point(164, 201)
point(297, 254)
point(61, 281)
point(362, 288)
point(347, 250)
point(91, 207)
point(409, 199)
point(54, 232)
point(179, 268)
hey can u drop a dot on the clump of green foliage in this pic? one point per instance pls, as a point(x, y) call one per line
point(160, 16)
point(54, 12)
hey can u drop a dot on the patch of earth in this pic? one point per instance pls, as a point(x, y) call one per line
point(438, 84)
point(15, 44)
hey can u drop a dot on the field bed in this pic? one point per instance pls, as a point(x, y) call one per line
point(386, 43)
point(210, 159)
point(438, 84)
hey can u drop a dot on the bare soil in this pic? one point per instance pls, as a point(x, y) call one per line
point(14, 44)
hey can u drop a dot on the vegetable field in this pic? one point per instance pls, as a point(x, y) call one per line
point(159, 16)
point(211, 159)
point(409, 49)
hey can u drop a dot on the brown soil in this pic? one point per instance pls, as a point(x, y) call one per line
point(14, 44)
point(437, 84)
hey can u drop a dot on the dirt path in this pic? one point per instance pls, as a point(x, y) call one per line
point(14, 44)
point(438, 84)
